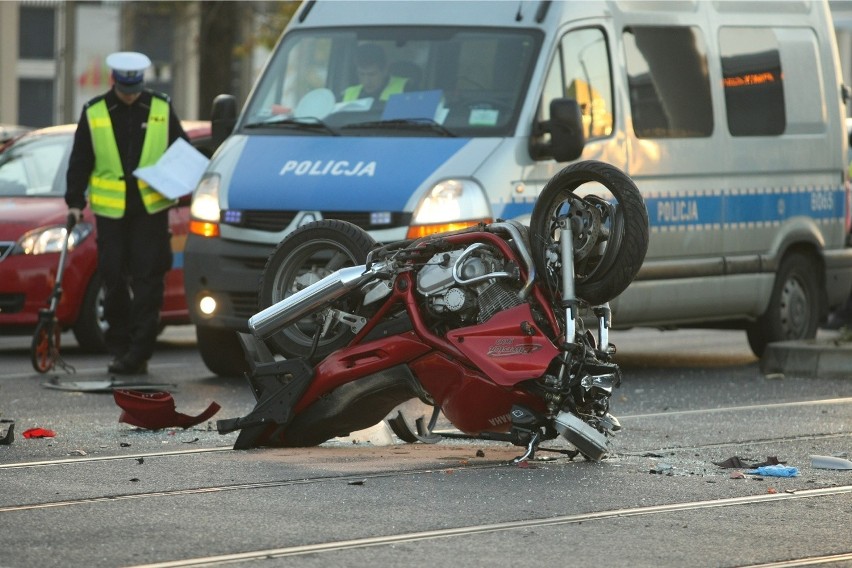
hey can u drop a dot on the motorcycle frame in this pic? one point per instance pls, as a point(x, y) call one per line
point(423, 351)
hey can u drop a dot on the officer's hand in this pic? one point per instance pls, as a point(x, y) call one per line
point(76, 213)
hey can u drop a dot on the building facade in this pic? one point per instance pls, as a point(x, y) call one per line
point(52, 52)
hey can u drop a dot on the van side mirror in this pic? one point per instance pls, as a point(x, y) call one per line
point(566, 130)
point(223, 117)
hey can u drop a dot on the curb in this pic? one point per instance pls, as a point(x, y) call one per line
point(814, 358)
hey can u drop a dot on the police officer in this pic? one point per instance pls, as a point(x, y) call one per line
point(376, 81)
point(126, 128)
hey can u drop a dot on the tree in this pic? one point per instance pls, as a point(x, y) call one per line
point(230, 32)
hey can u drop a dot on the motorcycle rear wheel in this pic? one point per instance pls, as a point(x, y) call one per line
point(610, 241)
point(308, 254)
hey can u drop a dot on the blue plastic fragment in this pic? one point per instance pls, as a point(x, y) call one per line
point(775, 471)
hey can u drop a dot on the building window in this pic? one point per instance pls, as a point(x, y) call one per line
point(35, 102)
point(37, 37)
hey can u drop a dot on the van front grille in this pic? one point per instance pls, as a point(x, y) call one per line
point(277, 221)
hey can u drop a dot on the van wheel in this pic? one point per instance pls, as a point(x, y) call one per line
point(91, 325)
point(305, 256)
point(221, 351)
point(794, 308)
point(610, 234)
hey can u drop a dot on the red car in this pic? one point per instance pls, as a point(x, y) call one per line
point(32, 221)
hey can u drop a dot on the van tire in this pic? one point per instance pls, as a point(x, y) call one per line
point(617, 267)
point(794, 308)
point(349, 245)
point(221, 351)
point(89, 328)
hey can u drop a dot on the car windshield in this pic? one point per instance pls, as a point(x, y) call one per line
point(395, 82)
point(35, 166)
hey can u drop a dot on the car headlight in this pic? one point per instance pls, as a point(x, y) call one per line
point(450, 205)
point(49, 239)
point(205, 210)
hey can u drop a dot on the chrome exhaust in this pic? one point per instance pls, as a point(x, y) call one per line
point(308, 300)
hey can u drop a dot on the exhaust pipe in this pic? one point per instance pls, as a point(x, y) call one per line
point(308, 300)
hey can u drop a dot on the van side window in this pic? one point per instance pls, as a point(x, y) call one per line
point(753, 80)
point(668, 82)
point(582, 72)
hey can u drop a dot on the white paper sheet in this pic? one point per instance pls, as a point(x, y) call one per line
point(177, 172)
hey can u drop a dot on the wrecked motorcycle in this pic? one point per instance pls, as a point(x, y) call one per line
point(489, 325)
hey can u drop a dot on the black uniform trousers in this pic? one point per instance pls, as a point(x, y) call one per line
point(134, 254)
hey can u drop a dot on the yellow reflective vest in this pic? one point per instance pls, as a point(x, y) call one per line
point(107, 188)
point(395, 85)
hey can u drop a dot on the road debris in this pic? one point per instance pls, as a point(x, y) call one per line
point(39, 433)
point(737, 462)
point(156, 410)
point(9, 436)
point(775, 471)
point(830, 462)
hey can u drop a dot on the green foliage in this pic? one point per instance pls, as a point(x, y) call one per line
point(269, 25)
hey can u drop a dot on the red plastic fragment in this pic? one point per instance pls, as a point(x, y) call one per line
point(39, 433)
point(156, 410)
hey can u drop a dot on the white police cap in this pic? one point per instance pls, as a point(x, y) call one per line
point(128, 70)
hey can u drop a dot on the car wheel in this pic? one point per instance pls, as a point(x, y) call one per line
point(794, 308)
point(221, 351)
point(91, 325)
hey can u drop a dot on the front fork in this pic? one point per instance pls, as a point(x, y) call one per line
point(569, 295)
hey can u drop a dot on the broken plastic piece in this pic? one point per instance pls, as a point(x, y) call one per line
point(737, 462)
point(156, 410)
point(830, 462)
point(9, 436)
point(775, 471)
point(39, 433)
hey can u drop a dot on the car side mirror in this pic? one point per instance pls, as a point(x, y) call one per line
point(223, 118)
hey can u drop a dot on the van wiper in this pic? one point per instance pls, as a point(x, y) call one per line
point(404, 124)
point(300, 123)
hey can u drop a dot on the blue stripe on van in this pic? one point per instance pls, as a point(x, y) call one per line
point(335, 173)
point(728, 208)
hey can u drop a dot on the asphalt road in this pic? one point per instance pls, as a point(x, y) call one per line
point(103, 493)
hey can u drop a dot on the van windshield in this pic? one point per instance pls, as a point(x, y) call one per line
point(399, 81)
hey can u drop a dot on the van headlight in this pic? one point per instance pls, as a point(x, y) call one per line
point(205, 210)
point(450, 205)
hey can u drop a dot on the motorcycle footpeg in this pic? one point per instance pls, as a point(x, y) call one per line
point(585, 438)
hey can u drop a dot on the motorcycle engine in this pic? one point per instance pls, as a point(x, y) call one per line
point(469, 285)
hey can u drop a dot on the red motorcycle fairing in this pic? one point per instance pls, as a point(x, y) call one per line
point(358, 361)
point(469, 400)
point(508, 348)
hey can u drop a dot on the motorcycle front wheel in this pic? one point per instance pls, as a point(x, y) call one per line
point(609, 226)
point(305, 256)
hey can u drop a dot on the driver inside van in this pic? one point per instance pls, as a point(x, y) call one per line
point(375, 79)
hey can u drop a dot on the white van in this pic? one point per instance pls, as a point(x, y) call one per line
point(728, 115)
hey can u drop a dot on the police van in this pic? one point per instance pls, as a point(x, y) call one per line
point(728, 115)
